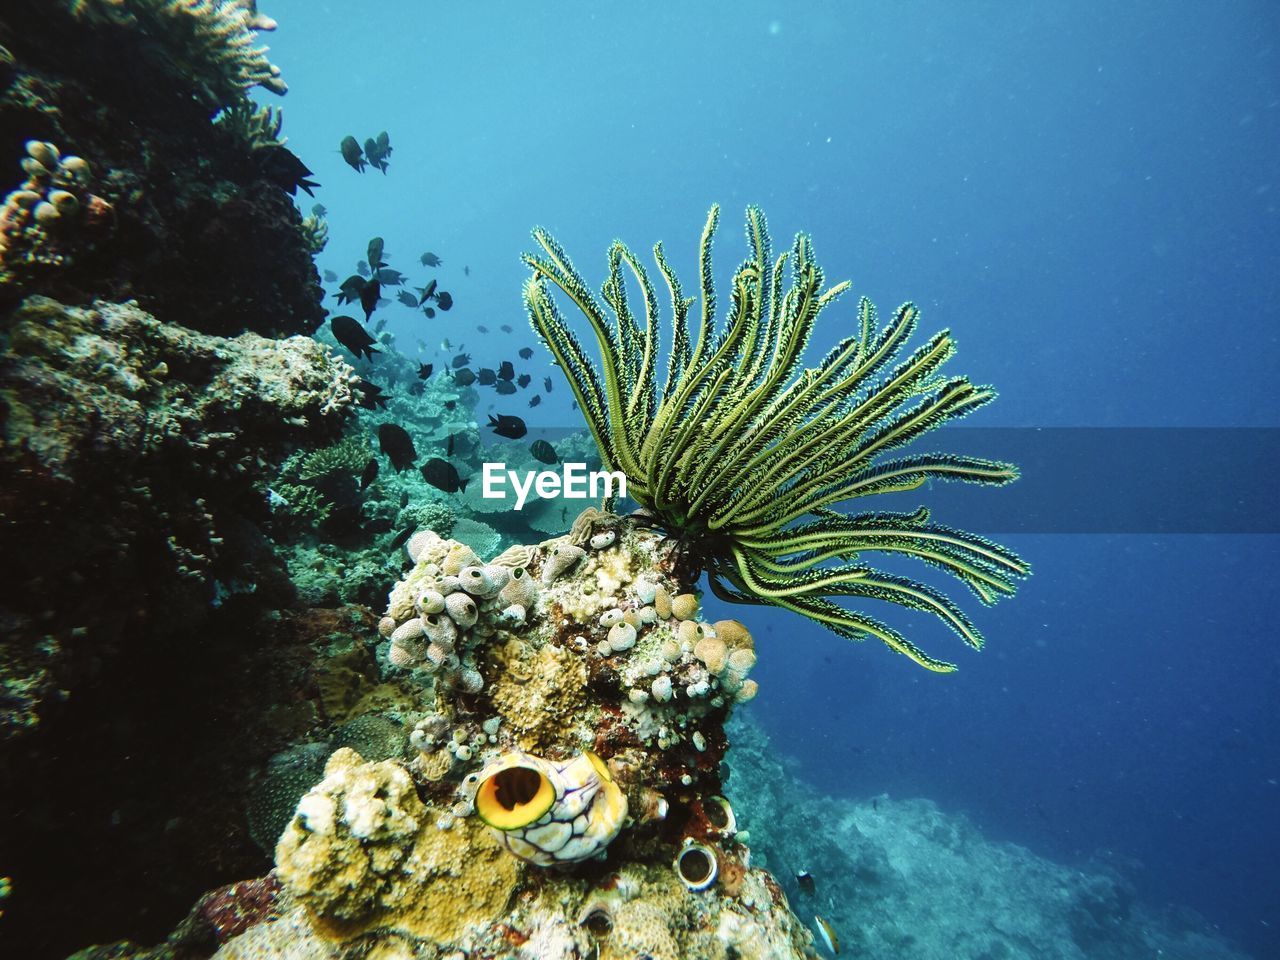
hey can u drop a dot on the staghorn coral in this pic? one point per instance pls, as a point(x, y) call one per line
point(209, 43)
point(744, 456)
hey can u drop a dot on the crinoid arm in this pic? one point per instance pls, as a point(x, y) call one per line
point(750, 458)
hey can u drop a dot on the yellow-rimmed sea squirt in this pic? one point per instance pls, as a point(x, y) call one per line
point(719, 815)
point(547, 812)
point(696, 865)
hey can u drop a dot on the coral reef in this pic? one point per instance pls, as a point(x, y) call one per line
point(132, 453)
point(745, 457)
point(209, 42)
point(554, 646)
point(181, 208)
point(903, 880)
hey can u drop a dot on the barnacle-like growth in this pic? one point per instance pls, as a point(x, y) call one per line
point(212, 42)
point(742, 454)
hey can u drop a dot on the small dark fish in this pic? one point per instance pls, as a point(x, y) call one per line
point(392, 278)
point(401, 538)
point(444, 344)
point(417, 388)
point(526, 353)
point(464, 377)
point(426, 293)
point(369, 298)
point(506, 371)
point(349, 292)
point(384, 143)
point(451, 404)
point(404, 499)
point(330, 276)
point(544, 452)
point(466, 271)
point(429, 312)
point(396, 443)
point(505, 425)
point(375, 154)
point(408, 299)
point(449, 446)
point(351, 154)
point(348, 332)
point(461, 360)
point(375, 254)
point(442, 475)
point(362, 268)
point(505, 387)
point(318, 210)
point(535, 400)
point(523, 380)
point(505, 328)
point(443, 300)
point(574, 404)
point(805, 880)
point(487, 377)
point(371, 395)
point(429, 259)
point(546, 382)
point(424, 370)
point(380, 325)
point(482, 329)
point(370, 473)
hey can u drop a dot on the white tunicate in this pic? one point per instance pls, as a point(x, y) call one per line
point(431, 601)
point(491, 725)
point(647, 615)
point(513, 615)
point(636, 695)
point(646, 591)
point(461, 609)
point(610, 617)
point(606, 538)
point(661, 688)
point(653, 667)
point(622, 636)
point(445, 821)
point(441, 630)
point(407, 631)
point(463, 752)
point(697, 689)
point(477, 582)
point(686, 779)
point(450, 585)
point(603, 648)
point(699, 741)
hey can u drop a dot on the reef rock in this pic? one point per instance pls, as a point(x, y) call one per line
point(132, 462)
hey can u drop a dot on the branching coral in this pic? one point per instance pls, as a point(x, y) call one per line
point(211, 42)
point(257, 127)
point(743, 455)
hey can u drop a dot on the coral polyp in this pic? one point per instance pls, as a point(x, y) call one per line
point(745, 456)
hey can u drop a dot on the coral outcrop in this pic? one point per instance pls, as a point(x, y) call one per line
point(612, 841)
point(181, 208)
point(132, 457)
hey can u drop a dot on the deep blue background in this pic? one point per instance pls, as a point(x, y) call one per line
point(1086, 192)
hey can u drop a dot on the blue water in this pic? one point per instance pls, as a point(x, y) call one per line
point(1085, 192)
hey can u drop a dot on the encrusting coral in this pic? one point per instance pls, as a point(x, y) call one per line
point(743, 456)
